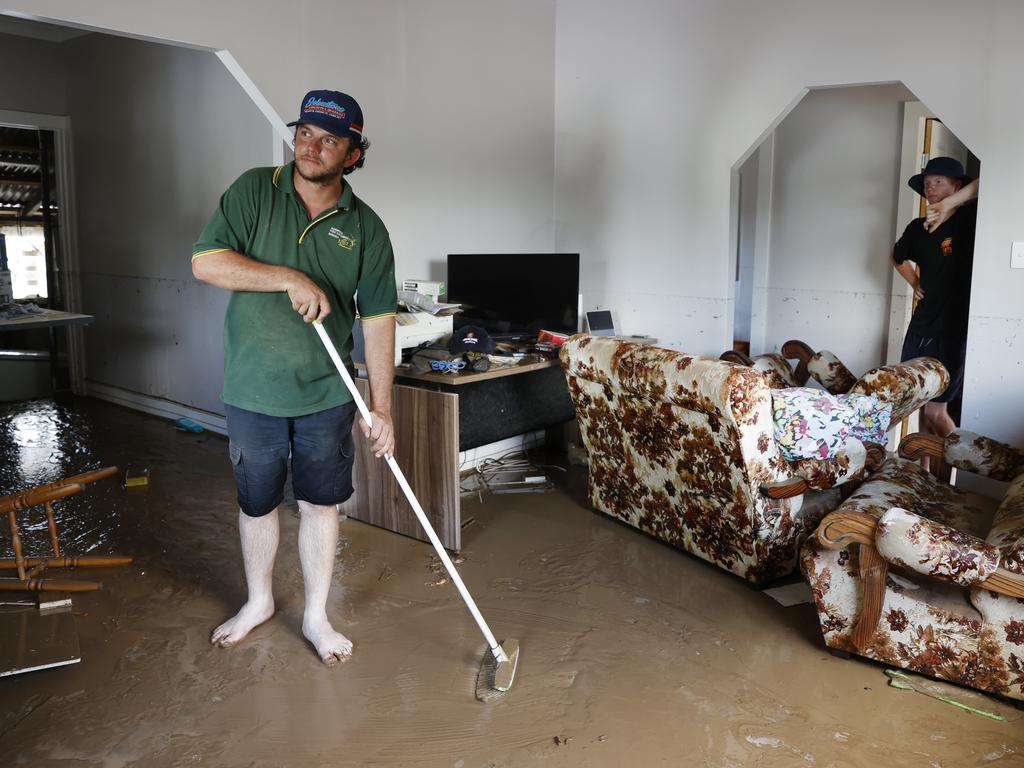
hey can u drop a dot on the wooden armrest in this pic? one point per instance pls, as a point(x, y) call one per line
point(1005, 583)
point(83, 479)
point(839, 529)
point(37, 496)
point(785, 489)
point(919, 445)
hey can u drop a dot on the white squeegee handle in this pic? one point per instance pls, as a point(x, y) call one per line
point(496, 649)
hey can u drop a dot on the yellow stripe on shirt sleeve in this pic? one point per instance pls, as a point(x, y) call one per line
point(205, 253)
point(376, 317)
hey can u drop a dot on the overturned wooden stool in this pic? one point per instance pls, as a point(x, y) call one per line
point(31, 569)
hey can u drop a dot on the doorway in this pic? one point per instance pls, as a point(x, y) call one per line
point(35, 249)
point(924, 137)
point(819, 203)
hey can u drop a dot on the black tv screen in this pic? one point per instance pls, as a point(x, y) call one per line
point(514, 295)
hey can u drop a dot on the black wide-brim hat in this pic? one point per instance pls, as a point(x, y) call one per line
point(939, 166)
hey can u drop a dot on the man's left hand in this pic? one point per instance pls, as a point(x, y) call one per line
point(382, 435)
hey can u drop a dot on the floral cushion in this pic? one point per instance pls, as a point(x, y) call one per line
point(811, 424)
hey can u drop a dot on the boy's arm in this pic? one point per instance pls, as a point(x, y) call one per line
point(910, 275)
point(938, 213)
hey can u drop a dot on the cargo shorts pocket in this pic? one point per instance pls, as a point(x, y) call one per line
point(343, 474)
point(259, 478)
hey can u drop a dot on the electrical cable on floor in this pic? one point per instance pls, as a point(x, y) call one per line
point(514, 472)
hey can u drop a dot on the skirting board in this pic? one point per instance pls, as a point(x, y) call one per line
point(170, 410)
point(156, 406)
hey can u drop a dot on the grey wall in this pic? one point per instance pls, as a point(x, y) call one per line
point(32, 76)
point(835, 182)
point(158, 133)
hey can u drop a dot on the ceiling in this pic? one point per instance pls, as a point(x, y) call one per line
point(38, 30)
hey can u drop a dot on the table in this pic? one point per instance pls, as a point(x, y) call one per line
point(49, 319)
point(437, 415)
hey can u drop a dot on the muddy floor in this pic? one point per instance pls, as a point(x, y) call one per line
point(633, 654)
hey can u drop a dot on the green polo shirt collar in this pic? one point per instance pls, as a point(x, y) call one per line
point(284, 181)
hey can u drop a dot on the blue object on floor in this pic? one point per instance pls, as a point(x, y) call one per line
point(187, 425)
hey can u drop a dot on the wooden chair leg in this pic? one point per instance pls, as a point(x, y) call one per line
point(16, 539)
point(873, 570)
point(52, 525)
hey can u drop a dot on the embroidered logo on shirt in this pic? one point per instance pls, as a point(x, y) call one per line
point(346, 242)
point(947, 246)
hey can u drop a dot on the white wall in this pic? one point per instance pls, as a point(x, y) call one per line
point(458, 100)
point(158, 133)
point(32, 76)
point(695, 85)
point(655, 105)
point(457, 97)
point(746, 251)
point(835, 184)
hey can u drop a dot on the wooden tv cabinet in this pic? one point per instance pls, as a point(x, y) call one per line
point(437, 415)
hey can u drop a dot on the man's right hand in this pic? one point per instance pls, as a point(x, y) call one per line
point(918, 292)
point(234, 271)
point(307, 298)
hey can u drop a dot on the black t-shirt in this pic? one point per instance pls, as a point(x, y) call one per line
point(945, 258)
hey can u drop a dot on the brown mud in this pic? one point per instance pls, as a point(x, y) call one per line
point(633, 654)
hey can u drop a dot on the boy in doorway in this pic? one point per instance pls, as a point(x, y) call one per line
point(941, 244)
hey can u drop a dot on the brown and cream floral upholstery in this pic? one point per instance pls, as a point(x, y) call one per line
point(916, 543)
point(942, 546)
point(906, 386)
point(777, 370)
point(680, 446)
point(829, 371)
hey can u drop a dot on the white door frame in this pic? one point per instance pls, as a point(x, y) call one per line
point(67, 276)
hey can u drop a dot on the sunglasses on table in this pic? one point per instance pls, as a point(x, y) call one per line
point(447, 366)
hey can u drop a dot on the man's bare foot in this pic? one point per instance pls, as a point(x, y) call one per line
point(330, 645)
point(238, 626)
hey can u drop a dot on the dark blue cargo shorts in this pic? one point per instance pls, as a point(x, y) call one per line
point(319, 445)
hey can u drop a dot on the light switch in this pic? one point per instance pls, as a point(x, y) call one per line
point(1017, 255)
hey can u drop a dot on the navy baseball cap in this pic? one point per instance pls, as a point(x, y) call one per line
point(471, 338)
point(334, 111)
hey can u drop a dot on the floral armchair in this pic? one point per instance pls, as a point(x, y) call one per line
point(921, 575)
point(683, 448)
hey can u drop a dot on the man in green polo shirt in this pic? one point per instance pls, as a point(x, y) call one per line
point(294, 245)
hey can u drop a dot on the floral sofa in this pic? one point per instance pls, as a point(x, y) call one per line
point(683, 448)
point(918, 574)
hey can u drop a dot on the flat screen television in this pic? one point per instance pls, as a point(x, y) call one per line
point(514, 295)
